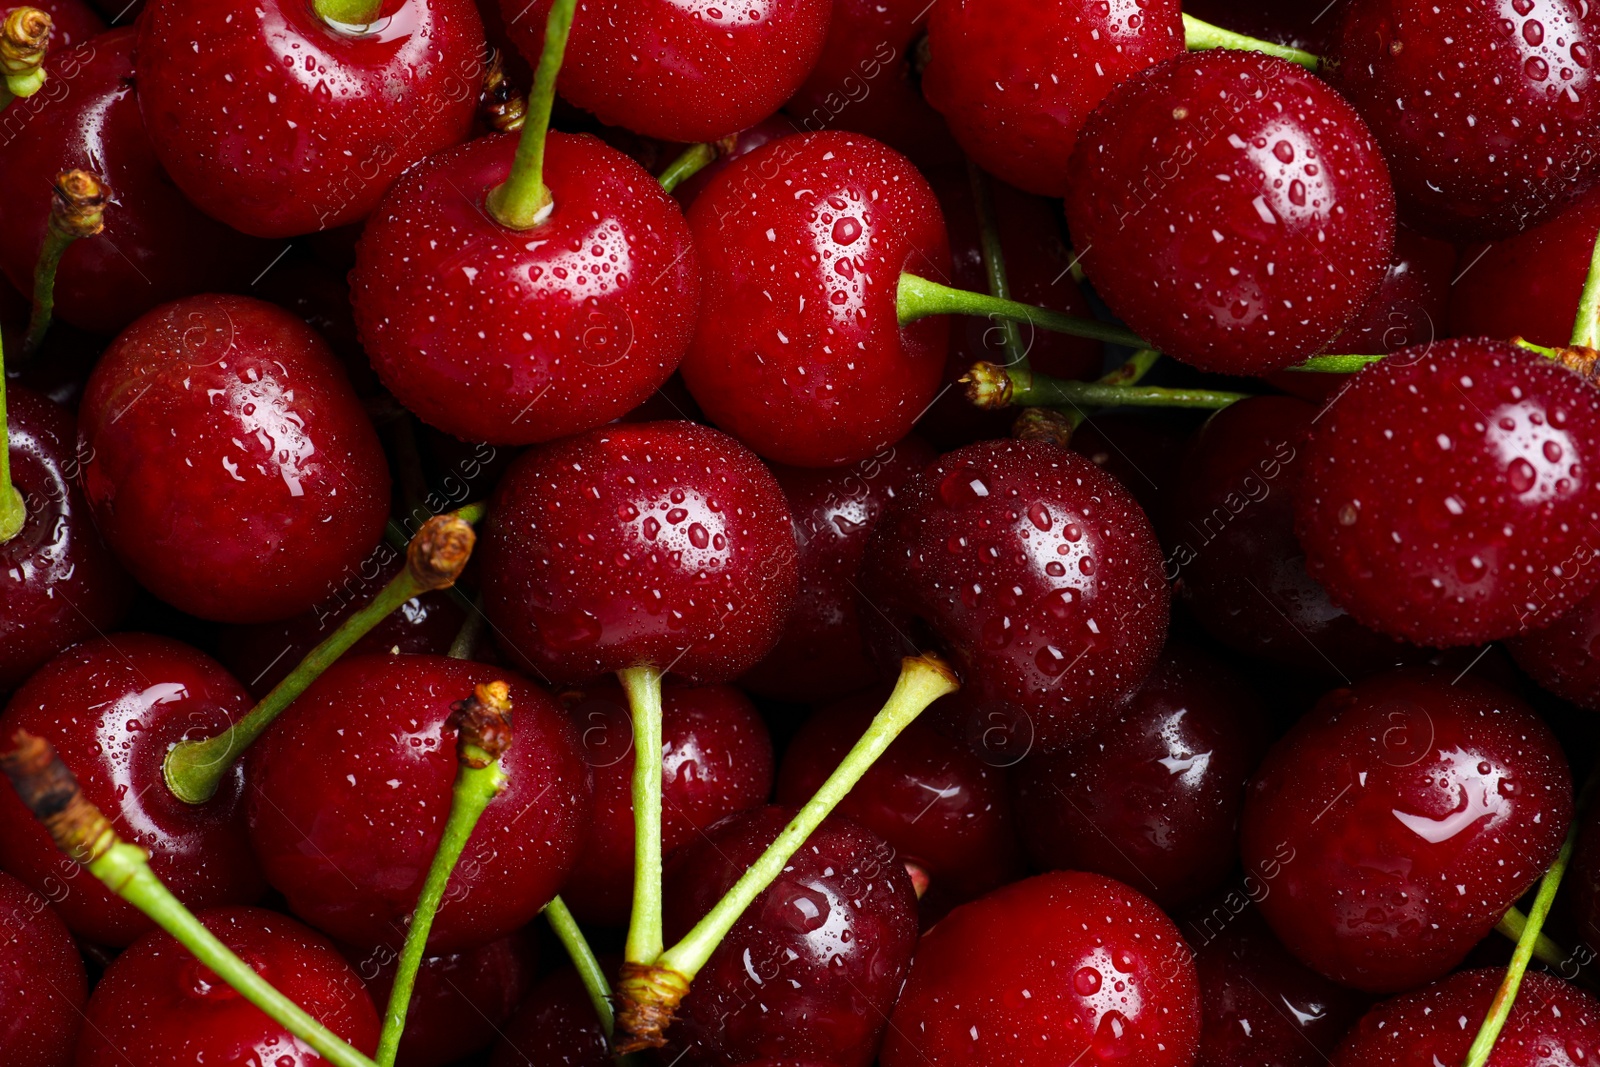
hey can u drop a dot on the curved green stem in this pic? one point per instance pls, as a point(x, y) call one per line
point(44, 287)
point(13, 512)
point(994, 263)
point(695, 158)
point(1198, 35)
point(1545, 950)
point(523, 200)
point(1132, 372)
point(1586, 327)
point(918, 298)
point(643, 686)
point(583, 958)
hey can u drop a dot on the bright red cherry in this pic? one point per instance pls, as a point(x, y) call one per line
point(231, 467)
point(665, 544)
point(799, 352)
point(679, 71)
point(42, 981)
point(740, 144)
point(526, 336)
point(1447, 497)
point(1060, 968)
point(555, 1027)
point(158, 1005)
point(1039, 579)
point(1399, 819)
point(1016, 79)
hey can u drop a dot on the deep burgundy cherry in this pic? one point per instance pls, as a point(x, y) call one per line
point(515, 337)
point(813, 966)
point(1582, 896)
point(1448, 496)
point(231, 467)
point(798, 351)
point(1402, 816)
point(555, 1027)
point(112, 707)
point(716, 760)
point(1507, 145)
point(369, 741)
point(280, 123)
point(687, 72)
point(159, 1005)
point(1039, 578)
point(662, 544)
point(58, 582)
point(943, 810)
point(1411, 304)
point(1564, 657)
point(156, 246)
point(1016, 79)
point(42, 980)
point(820, 655)
point(1153, 798)
point(320, 295)
point(74, 22)
point(1242, 274)
point(1060, 968)
point(1142, 449)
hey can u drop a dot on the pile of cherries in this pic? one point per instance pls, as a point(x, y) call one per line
point(1278, 667)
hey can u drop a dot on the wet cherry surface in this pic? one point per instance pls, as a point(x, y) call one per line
point(42, 981)
point(74, 22)
point(1564, 657)
point(1412, 302)
point(555, 1027)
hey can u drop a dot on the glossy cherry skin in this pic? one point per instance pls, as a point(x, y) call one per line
point(231, 467)
point(716, 760)
point(42, 980)
point(1057, 966)
point(1242, 275)
point(348, 837)
point(513, 338)
point(58, 582)
point(1507, 146)
point(1038, 577)
point(1405, 815)
point(1411, 304)
point(158, 1005)
point(813, 966)
point(679, 71)
point(1016, 80)
point(943, 810)
point(820, 656)
point(741, 144)
point(555, 1027)
point(1582, 896)
point(660, 543)
point(798, 351)
point(73, 22)
point(1447, 497)
point(1153, 798)
point(1564, 657)
point(112, 707)
point(279, 123)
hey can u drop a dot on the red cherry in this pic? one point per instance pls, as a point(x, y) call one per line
point(555, 1027)
point(662, 543)
point(279, 122)
point(320, 295)
point(231, 467)
point(74, 22)
point(387, 772)
point(1582, 898)
point(42, 981)
point(1142, 450)
point(1448, 494)
point(112, 707)
point(799, 352)
point(1410, 306)
point(1016, 79)
point(1036, 575)
point(1242, 275)
point(157, 1004)
point(1564, 657)
point(743, 143)
point(532, 335)
point(1398, 821)
point(1058, 968)
point(680, 72)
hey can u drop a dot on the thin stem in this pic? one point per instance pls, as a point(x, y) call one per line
point(77, 210)
point(994, 263)
point(1199, 35)
point(1545, 950)
point(583, 958)
point(1335, 364)
point(991, 386)
point(44, 288)
point(695, 158)
point(467, 638)
point(1586, 327)
point(1133, 371)
point(523, 200)
point(643, 686)
point(919, 298)
point(13, 512)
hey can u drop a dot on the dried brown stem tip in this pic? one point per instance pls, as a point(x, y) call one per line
point(484, 722)
point(439, 552)
point(647, 996)
point(988, 386)
point(24, 39)
point(503, 105)
point(1581, 361)
point(78, 209)
point(49, 790)
point(1043, 424)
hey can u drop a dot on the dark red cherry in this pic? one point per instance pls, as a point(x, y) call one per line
point(1582, 885)
point(716, 760)
point(820, 655)
point(42, 980)
point(159, 1005)
point(320, 295)
point(1060, 968)
point(525, 336)
point(1447, 497)
point(1399, 819)
point(680, 72)
point(1142, 449)
point(1267, 221)
point(156, 246)
point(943, 810)
point(112, 707)
point(798, 351)
point(1506, 146)
point(1564, 657)
point(280, 122)
point(74, 22)
point(664, 544)
point(555, 1027)
point(1016, 79)
point(1039, 578)
point(1411, 304)
point(58, 583)
point(1153, 798)
point(813, 966)
point(231, 467)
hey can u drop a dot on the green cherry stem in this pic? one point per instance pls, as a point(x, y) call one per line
point(13, 512)
point(471, 632)
point(1545, 950)
point(918, 298)
point(77, 211)
point(1130, 373)
point(523, 200)
point(994, 263)
point(1198, 35)
point(583, 958)
point(49, 790)
point(991, 386)
point(643, 686)
point(1335, 364)
point(695, 158)
point(1586, 327)
point(24, 40)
